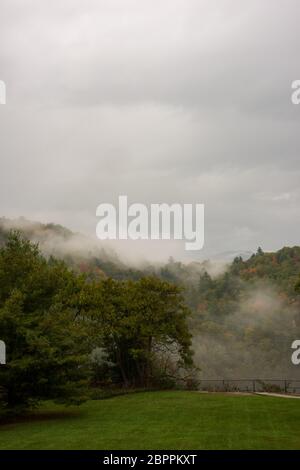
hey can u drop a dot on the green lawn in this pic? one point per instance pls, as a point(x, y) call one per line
point(161, 420)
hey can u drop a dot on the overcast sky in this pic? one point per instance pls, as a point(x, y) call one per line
point(162, 100)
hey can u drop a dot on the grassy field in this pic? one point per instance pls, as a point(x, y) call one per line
point(161, 420)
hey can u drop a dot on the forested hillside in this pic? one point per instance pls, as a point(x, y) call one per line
point(68, 336)
point(245, 314)
point(246, 319)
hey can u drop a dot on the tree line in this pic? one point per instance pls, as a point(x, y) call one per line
point(66, 334)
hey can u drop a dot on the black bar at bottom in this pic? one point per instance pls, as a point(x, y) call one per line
point(136, 458)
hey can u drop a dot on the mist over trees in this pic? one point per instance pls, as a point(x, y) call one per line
point(53, 320)
point(246, 319)
point(87, 322)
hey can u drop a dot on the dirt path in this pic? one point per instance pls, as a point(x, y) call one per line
point(281, 395)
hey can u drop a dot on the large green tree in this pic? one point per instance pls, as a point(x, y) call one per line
point(140, 323)
point(46, 342)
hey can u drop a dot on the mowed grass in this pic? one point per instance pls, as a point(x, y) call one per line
point(161, 420)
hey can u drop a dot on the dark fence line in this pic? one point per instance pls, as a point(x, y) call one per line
point(291, 386)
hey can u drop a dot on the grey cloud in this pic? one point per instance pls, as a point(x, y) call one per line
point(164, 101)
